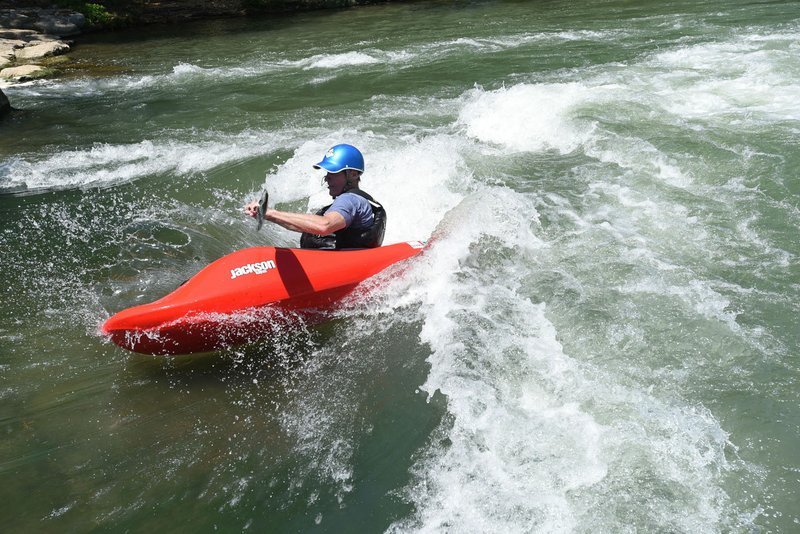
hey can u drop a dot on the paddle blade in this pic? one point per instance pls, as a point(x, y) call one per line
point(262, 209)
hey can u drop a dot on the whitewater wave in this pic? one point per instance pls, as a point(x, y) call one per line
point(104, 164)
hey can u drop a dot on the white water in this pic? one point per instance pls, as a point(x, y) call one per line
point(557, 420)
point(538, 438)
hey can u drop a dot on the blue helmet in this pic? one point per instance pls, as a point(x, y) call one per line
point(341, 157)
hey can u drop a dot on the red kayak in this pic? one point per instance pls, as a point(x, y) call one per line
point(236, 298)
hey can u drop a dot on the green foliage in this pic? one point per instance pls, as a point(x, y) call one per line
point(96, 14)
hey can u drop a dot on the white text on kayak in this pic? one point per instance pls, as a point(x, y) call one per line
point(253, 268)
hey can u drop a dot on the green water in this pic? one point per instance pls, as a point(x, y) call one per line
point(601, 337)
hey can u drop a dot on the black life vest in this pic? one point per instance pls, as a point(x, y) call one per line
point(350, 237)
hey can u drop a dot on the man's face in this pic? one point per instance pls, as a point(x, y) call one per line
point(336, 182)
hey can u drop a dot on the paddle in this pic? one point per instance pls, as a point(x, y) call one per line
point(262, 209)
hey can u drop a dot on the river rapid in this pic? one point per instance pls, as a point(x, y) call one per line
point(601, 336)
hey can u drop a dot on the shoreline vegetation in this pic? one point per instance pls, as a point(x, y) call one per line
point(35, 39)
point(103, 15)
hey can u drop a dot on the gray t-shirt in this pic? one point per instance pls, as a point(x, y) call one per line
point(355, 209)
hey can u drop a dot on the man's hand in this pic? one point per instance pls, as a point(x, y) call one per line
point(252, 209)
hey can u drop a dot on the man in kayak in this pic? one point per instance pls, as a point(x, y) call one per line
point(353, 220)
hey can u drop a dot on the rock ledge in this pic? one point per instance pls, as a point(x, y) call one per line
point(58, 22)
point(27, 36)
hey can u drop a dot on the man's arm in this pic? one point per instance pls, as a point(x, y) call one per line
point(326, 224)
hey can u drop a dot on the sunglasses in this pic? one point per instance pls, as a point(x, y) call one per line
point(331, 175)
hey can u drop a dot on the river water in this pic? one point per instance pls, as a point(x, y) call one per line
point(602, 335)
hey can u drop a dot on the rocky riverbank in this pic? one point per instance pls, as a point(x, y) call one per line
point(28, 37)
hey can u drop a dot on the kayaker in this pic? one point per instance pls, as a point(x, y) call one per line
point(353, 220)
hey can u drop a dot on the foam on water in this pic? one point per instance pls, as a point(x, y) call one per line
point(551, 426)
point(439, 49)
point(110, 164)
point(527, 117)
point(539, 438)
point(750, 76)
point(419, 54)
point(347, 59)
